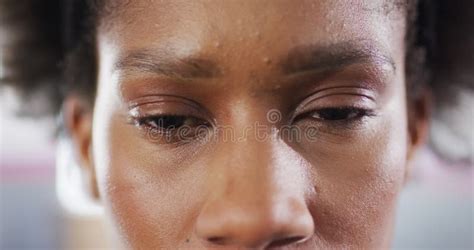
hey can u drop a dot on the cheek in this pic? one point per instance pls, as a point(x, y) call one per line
point(358, 191)
point(150, 193)
point(357, 182)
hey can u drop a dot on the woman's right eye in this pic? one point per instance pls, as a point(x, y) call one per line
point(173, 129)
point(168, 123)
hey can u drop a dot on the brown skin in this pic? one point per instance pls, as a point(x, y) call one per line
point(227, 63)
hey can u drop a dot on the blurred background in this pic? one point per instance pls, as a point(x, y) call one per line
point(435, 210)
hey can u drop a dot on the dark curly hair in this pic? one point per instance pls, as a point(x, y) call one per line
point(48, 48)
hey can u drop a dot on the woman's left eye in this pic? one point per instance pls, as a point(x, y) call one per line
point(338, 114)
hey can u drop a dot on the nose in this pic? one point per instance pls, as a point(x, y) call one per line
point(255, 203)
point(256, 225)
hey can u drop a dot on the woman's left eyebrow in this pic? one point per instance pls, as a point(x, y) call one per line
point(313, 58)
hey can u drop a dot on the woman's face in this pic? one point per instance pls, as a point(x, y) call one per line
point(256, 124)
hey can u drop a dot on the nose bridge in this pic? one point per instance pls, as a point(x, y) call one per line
point(253, 202)
point(258, 161)
point(245, 159)
point(249, 171)
point(249, 163)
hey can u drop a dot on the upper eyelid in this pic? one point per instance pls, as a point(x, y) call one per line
point(366, 95)
point(161, 99)
point(137, 112)
point(341, 90)
point(198, 110)
point(343, 93)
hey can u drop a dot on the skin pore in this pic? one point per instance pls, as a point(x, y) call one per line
point(337, 66)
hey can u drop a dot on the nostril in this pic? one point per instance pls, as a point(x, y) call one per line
point(217, 240)
point(286, 241)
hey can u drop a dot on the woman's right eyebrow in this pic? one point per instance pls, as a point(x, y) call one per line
point(158, 62)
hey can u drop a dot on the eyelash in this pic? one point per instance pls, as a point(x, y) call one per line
point(345, 117)
point(339, 114)
point(163, 123)
point(168, 129)
point(348, 113)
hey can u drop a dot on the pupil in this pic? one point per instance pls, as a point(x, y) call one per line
point(170, 122)
point(335, 114)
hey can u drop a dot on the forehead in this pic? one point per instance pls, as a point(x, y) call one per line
point(251, 28)
point(111, 10)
